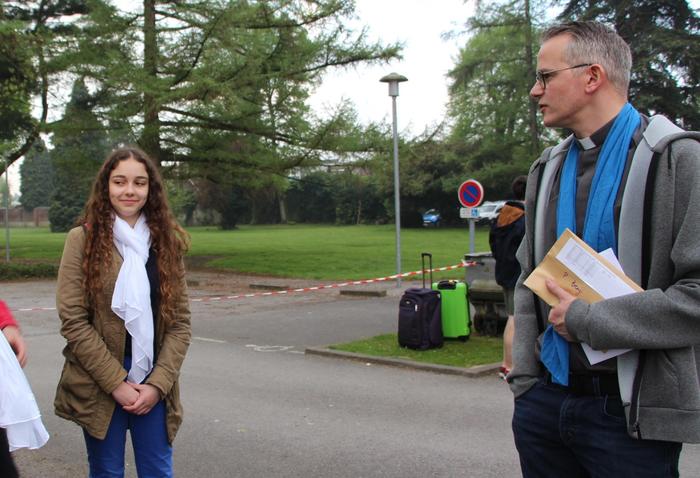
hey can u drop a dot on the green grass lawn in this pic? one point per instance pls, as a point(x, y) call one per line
point(478, 350)
point(320, 252)
point(36, 244)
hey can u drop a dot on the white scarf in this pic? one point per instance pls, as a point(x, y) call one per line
point(19, 413)
point(132, 293)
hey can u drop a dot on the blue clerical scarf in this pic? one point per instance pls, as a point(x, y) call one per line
point(599, 223)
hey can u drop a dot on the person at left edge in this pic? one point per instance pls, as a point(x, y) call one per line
point(14, 338)
point(122, 299)
point(9, 327)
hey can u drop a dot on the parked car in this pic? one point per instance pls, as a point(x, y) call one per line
point(431, 218)
point(488, 211)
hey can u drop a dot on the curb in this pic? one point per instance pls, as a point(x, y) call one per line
point(363, 293)
point(268, 287)
point(471, 372)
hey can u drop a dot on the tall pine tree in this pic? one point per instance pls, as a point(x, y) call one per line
point(80, 147)
point(37, 177)
point(220, 87)
point(173, 72)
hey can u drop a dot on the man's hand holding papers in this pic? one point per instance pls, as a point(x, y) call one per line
point(578, 273)
point(557, 316)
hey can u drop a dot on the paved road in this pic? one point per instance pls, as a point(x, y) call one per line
point(256, 406)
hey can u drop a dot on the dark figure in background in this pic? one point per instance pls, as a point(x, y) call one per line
point(507, 232)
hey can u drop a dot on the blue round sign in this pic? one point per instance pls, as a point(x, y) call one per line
point(470, 193)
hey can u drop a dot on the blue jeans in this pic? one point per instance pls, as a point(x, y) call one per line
point(149, 437)
point(152, 452)
point(560, 434)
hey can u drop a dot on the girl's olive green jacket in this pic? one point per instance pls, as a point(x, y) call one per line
point(95, 350)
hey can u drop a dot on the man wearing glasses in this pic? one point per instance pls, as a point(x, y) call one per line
point(626, 416)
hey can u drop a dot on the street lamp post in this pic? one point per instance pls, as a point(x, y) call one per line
point(393, 79)
point(7, 211)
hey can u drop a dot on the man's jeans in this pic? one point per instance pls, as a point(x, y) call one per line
point(558, 434)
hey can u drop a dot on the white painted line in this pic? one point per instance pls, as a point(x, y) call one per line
point(270, 348)
point(206, 339)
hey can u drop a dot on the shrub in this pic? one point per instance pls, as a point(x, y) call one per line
point(18, 270)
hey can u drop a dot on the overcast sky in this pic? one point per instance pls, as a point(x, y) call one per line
point(427, 58)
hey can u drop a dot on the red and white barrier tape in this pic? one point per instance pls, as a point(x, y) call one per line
point(332, 286)
point(301, 289)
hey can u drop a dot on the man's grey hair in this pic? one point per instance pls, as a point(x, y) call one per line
point(594, 42)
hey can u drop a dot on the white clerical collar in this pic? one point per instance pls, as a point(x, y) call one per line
point(586, 143)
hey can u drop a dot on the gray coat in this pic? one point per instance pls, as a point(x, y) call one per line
point(659, 380)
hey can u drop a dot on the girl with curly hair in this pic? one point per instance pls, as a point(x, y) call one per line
point(122, 299)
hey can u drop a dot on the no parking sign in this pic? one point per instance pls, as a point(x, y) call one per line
point(470, 193)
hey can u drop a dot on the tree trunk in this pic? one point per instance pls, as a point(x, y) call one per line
point(283, 207)
point(254, 207)
point(150, 137)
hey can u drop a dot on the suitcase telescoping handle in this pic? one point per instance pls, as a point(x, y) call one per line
point(423, 255)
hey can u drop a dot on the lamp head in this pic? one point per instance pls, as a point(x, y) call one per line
point(393, 79)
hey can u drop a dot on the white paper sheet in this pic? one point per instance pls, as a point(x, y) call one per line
point(609, 255)
point(598, 277)
point(591, 271)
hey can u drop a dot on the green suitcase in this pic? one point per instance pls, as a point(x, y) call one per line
point(456, 323)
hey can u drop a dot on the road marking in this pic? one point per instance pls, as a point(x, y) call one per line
point(270, 348)
point(206, 339)
point(256, 348)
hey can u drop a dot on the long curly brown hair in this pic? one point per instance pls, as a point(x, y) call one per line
point(168, 239)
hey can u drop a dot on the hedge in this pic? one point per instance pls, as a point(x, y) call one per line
point(19, 270)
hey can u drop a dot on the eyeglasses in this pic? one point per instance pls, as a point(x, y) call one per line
point(541, 77)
